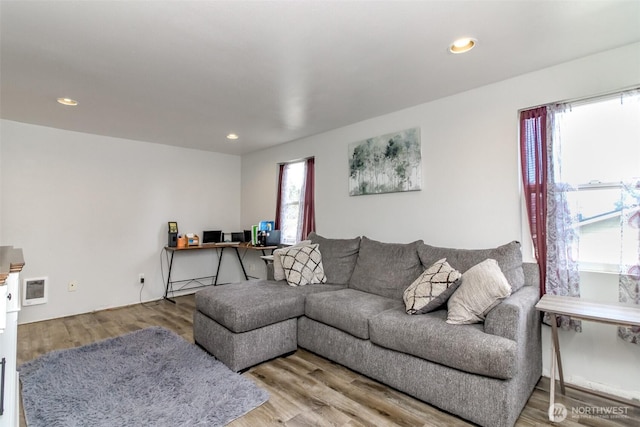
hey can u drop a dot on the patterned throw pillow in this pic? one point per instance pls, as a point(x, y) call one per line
point(278, 271)
point(432, 288)
point(303, 265)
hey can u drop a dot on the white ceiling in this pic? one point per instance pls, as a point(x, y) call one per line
point(186, 73)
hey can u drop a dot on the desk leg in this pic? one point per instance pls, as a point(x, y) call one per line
point(555, 359)
point(215, 282)
point(552, 383)
point(241, 264)
point(166, 289)
point(556, 345)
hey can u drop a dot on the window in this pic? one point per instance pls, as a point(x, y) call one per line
point(295, 216)
point(291, 194)
point(600, 165)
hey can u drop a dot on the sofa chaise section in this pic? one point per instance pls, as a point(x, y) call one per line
point(247, 323)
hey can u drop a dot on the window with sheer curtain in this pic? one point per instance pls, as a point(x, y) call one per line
point(600, 162)
point(295, 207)
point(581, 177)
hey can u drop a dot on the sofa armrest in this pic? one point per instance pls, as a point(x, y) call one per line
point(516, 316)
point(531, 274)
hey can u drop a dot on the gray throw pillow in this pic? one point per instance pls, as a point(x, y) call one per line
point(432, 288)
point(339, 257)
point(483, 287)
point(508, 256)
point(386, 269)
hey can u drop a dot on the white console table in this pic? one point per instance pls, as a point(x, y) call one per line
point(578, 308)
point(11, 263)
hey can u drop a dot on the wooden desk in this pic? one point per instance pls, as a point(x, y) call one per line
point(219, 247)
point(612, 313)
point(249, 246)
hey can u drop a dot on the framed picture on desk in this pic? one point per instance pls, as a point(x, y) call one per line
point(173, 227)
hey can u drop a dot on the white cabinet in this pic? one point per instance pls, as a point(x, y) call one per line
point(10, 266)
point(4, 290)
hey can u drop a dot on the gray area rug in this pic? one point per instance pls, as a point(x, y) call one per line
point(151, 377)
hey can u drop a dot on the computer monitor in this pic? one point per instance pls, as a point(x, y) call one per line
point(273, 238)
point(212, 236)
point(237, 237)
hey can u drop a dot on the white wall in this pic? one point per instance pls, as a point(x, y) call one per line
point(94, 209)
point(0, 182)
point(470, 194)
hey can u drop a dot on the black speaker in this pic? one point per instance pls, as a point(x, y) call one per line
point(173, 240)
point(247, 236)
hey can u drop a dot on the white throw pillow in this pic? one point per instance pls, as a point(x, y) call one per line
point(278, 271)
point(482, 287)
point(432, 288)
point(303, 265)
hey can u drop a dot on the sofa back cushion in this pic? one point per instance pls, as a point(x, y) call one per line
point(386, 269)
point(509, 257)
point(339, 257)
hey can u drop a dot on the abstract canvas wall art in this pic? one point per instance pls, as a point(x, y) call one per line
point(386, 164)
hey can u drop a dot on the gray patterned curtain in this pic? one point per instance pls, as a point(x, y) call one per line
point(562, 276)
point(629, 279)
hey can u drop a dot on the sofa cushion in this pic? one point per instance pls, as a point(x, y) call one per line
point(432, 288)
point(463, 347)
point(338, 257)
point(482, 287)
point(348, 310)
point(303, 265)
point(245, 306)
point(278, 270)
point(386, 269)
point(509, 257)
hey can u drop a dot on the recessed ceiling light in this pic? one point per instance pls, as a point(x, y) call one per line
point(68, 101)
point(232, 136)
point(463, 45)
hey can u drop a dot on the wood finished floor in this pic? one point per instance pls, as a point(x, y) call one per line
point(305, 389)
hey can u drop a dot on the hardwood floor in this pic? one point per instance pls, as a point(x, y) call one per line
point(305, 389)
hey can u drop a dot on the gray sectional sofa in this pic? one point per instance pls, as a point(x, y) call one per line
point(483, 372)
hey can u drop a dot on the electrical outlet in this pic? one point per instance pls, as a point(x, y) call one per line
point(252, 267)
point(141, 278)
point(73, 286)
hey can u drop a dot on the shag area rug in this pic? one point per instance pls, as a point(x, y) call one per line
point(151, 377)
